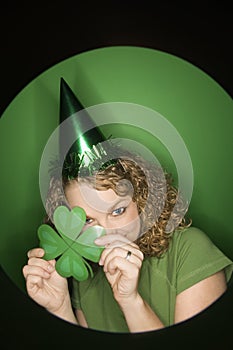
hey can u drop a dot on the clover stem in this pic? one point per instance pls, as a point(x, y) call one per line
point(89, 268)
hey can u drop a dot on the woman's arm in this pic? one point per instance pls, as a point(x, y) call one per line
point(46, 287)
point(140, 317)
point(123, 274)
point(81, 318)
point(198, 297)
point(65, 312)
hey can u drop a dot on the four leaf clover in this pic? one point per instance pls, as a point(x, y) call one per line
point(70, 243)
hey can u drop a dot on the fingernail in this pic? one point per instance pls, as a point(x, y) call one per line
point(98, 241)
point(50, 267)
point(41, 252)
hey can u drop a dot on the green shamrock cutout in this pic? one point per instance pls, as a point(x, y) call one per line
point(72, 245)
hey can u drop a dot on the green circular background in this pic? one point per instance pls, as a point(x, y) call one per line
point(198, 107)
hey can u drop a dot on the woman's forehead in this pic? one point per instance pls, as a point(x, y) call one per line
point(85, 196)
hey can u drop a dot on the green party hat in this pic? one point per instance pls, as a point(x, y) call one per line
point(88, 151)
point(76, 129)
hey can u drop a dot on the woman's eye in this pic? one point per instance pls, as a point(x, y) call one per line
point(88, 221)
point(118, 211)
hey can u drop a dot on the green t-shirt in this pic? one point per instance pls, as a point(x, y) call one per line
point(191, 257)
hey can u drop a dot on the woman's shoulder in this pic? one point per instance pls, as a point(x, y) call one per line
point(191, 235)
point(191, 255)
point(191, 243)
point(197, 257)
point(190, 230)
point(195, 247)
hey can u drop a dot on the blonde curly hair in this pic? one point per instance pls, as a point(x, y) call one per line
point(161, 208)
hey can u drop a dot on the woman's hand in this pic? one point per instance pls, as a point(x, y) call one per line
point(44, 284)
point(122, 273)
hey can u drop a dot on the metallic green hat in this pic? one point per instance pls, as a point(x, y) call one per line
point(91, 149)
point(69, 105)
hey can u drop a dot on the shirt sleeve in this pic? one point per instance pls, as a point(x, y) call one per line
point(198, 258)
point(75, 297)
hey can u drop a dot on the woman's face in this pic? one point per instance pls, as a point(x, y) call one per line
point(117, 214)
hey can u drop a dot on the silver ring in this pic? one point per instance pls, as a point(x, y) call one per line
point(128, 255)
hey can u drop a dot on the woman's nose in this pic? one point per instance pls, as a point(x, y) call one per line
point(104, 222)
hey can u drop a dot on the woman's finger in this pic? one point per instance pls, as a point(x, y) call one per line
point(36, 253)
point(34, 282)
point(35, 271)
point(122, 251)
point(112, 239)
point(46, 265)
point(128, 253)
point(127, 268)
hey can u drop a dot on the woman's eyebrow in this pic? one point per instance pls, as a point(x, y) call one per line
point(114, 206)
point(121, 201)
point(110, 209)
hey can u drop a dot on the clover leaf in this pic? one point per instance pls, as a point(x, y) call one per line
point(70, 243)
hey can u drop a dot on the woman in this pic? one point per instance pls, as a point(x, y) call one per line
point(155, 270)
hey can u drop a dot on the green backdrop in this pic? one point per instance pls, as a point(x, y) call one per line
point(198, 107)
